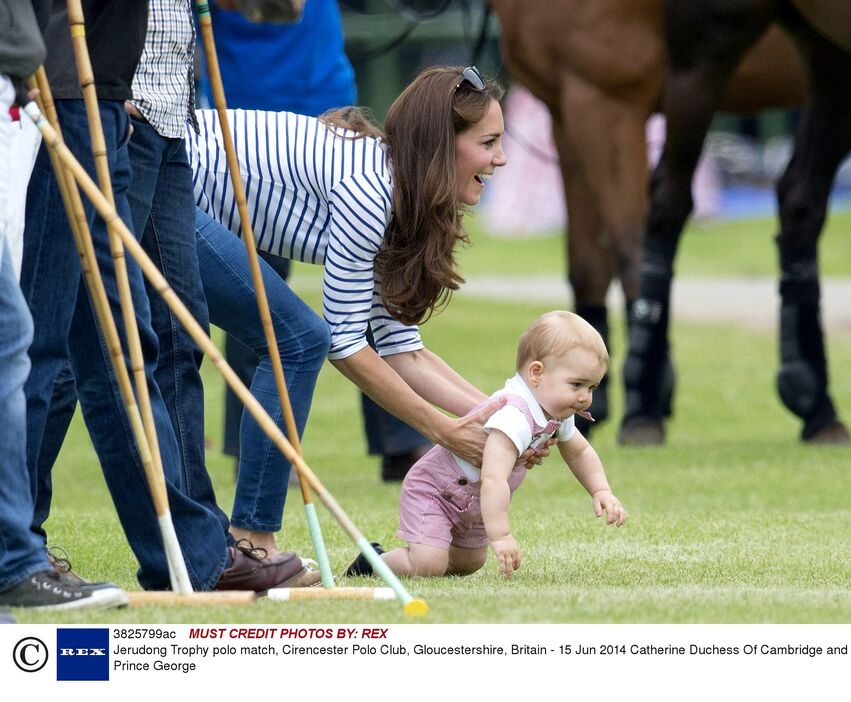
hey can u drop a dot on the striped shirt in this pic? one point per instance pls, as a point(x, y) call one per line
point(164, 84)
point(314, 196)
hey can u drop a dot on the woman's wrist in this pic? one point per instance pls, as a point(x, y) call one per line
point(439, 431)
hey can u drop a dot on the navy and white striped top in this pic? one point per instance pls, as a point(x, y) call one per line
point(314, 196)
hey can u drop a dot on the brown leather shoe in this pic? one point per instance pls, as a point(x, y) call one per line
point(252, 569)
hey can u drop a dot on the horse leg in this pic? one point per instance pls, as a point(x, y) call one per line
point(822, 141)
point(704, 46)
point(588, 261)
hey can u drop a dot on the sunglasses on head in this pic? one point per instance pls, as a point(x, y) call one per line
point(472, 76)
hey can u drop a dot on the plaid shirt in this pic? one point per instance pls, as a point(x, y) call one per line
point(164, 85)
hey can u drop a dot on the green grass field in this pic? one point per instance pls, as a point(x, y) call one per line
point(733, 521)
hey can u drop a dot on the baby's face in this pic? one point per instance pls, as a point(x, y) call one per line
point(563, 385)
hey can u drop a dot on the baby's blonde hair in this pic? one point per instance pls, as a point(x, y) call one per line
point(556, 333)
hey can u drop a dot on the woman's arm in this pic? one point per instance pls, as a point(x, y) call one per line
point(408, 394)
point(428, 375)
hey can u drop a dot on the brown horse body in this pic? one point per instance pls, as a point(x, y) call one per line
point(600, 66)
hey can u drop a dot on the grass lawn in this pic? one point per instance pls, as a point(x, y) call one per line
point(733, 521)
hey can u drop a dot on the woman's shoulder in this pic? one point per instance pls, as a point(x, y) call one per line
point(366, 180)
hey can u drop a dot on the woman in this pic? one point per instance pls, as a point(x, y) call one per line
point(382, 213)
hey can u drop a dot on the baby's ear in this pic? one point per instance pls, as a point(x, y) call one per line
point(534, 371)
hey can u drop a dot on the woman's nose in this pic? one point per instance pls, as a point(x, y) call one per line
point(499, 158)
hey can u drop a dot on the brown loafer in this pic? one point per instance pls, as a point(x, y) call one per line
point(253, 570)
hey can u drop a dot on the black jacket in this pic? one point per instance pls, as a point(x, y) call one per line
point(115, 35)
point(21, 45)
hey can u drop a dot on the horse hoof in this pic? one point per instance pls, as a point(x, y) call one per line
point(642, 431)
point(832, 434)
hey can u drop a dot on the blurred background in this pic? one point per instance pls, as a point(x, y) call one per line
point(389, 41)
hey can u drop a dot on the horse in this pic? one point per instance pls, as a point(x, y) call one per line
point(599, 66)
point(705, 41)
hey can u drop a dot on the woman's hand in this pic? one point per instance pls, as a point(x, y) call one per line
point(466, 436)
point(532, 457)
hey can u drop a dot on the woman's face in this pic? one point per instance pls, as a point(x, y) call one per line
point(478, 152)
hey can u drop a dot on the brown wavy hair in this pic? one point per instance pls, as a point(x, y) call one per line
point(416, 264)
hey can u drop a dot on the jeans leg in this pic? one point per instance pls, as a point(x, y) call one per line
point(303, 340)
point(244, 362)
point(21, 552)
point(163, 209)
point(63, 403)
point(50, 275)
point(200, 535)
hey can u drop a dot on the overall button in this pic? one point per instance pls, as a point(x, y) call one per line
point(462, 481)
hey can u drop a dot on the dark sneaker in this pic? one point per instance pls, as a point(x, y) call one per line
point(58, 559)
point(253, 569)
point(361, 566)
point(46, 590)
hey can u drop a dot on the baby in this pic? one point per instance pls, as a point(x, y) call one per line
point(450, 512)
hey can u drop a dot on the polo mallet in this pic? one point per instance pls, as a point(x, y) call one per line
point(412, 606)
point(292, 594)
point(206, 25)
point(82, 238)
point(176, 565)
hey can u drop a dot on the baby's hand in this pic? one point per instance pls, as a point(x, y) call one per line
point(605, 501)
point(507, 552)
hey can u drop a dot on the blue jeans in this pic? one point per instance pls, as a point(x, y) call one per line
point(163, 207)
point(21, 552)
point(65, 328)
point(244, 362)
point(386, 435)
point(303, 341)
point(62, 407)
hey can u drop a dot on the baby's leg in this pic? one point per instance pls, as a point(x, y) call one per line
point(418, 559)
point(465, 561)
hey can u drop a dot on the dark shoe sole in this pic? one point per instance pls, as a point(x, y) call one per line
point(361, 566)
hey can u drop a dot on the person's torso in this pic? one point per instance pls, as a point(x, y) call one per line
point(115, 35)
point(295, 170)
point(299, 67)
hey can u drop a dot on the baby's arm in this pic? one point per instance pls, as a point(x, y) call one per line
point(497, 463)
point(586, 465)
